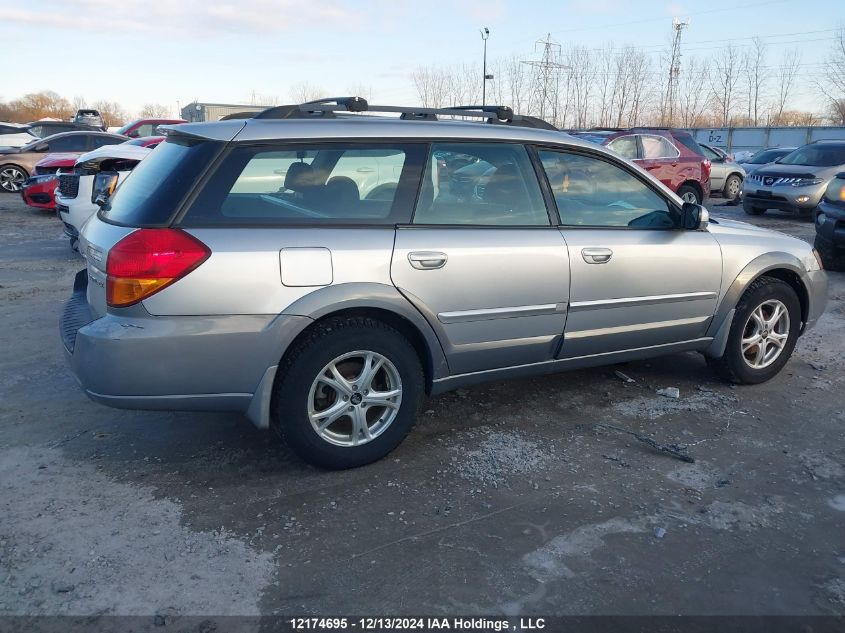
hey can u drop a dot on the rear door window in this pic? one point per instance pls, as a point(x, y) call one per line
point(70, 143)
point(331, 183)
point(625, 146)
point(480, 184)
point(655, 147)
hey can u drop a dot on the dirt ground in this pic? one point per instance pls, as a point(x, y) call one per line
point(507, 498)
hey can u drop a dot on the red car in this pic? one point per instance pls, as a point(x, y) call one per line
point(672, 156)
point(145, 127)
point(37, 191)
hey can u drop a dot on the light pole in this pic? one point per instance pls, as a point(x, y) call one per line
point(485, 33)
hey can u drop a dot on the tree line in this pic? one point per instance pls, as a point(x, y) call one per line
point(578, 87)
point(48, 104)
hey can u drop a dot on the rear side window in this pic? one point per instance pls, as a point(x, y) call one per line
point(688, 141)
point(625, 146)
point(657, 147)
point(160, 183)
point(332, 183)
point(100, 141)
point(482, 184)
point(71, 143)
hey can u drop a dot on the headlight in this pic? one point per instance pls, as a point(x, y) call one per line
point(836, 191)
point(104, 185)
point(806, 182)
point(814, 262)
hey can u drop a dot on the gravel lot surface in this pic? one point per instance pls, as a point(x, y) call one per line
point(507, 498)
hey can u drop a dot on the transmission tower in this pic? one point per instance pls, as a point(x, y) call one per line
point(674, 71)
point(546, 76)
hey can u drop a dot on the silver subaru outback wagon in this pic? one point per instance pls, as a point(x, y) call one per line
point(321, 270)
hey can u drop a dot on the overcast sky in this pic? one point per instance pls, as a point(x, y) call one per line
point(169, 51)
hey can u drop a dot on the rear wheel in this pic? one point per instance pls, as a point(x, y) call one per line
point(12, 178)
point(688, 193)
point(732, 187)
point(763, 333)
point(349, 393)
point(833, 258)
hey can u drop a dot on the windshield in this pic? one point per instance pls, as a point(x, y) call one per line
point(126, 127)
point(816, 156)
point(767, 156)
point(160, 182)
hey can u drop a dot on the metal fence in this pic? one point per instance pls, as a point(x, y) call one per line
point(737, 139)
point(200, 112)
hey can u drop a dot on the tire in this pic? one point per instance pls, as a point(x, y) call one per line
point(733, 185)
point(750, 209)
point(688, 193)
point(734, 365)
point(303, 391)
point(833, 257)
point(12, 178)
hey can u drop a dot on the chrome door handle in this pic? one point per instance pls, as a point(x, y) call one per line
point(596, 255)
point(427, 260)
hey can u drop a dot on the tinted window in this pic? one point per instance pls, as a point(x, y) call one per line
point(99, 141)
point(767, 156)
point(625, 146)
point(816, 155)
point(70, 143)
point(689, 142)
point(318, 184)
point(657, 147)
point(709, 153)
point(591, 192)
point(482, 184)
point(160, 183)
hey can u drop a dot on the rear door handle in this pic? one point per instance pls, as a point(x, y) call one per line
point(596, 255)
point(427, 260)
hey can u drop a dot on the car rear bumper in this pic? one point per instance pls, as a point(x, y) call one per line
point(189, 363)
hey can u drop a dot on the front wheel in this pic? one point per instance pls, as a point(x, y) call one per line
point(763, 333)
point(12, 178)
point(348, 393)
point(688, 193)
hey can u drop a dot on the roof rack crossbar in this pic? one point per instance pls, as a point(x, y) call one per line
point(327, 107)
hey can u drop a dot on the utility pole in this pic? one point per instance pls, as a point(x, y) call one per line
point(485, 33)
point(547, 71)
point(674, 72)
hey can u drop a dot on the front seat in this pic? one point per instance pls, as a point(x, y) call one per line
point(300, 178)
point(506, 188)
point(340, 197)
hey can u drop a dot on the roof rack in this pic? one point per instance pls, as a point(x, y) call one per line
point(326, 109)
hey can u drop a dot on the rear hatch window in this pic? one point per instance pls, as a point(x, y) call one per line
point(160, 183)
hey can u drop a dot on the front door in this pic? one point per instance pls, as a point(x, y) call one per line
point(481, 259)
point(638, 280)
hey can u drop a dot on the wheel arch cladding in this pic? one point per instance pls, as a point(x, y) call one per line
point(380, 302)
point(779, 265)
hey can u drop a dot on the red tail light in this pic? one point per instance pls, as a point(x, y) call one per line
point(148, 260)
point(706, 164)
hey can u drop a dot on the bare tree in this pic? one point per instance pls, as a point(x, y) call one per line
point(785, 81)
point(79, 103)
point(579, 61)
point(693, 99)
point(756, 76)
point(112, 112)
point(155, 111)
point(724, 80)
point(431, 86)
point(306, 91)
point(834, 73)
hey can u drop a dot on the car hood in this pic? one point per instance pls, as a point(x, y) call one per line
point(802, 171)
point(59, 159)
point(724, 225)
point(122, 150)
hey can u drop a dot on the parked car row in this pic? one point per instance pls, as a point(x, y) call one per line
point(323, 287)
point(17, 163)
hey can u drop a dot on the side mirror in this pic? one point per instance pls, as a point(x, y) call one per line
point(694, 217)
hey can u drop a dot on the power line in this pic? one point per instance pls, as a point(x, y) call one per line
point(674, 69)
point(548, 71)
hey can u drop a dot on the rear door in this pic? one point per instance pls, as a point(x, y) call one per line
point(638, 281)
point(481, 259)
point(660, 158)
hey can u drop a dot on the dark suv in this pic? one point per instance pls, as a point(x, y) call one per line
point(830, 225)
point(672, 156)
